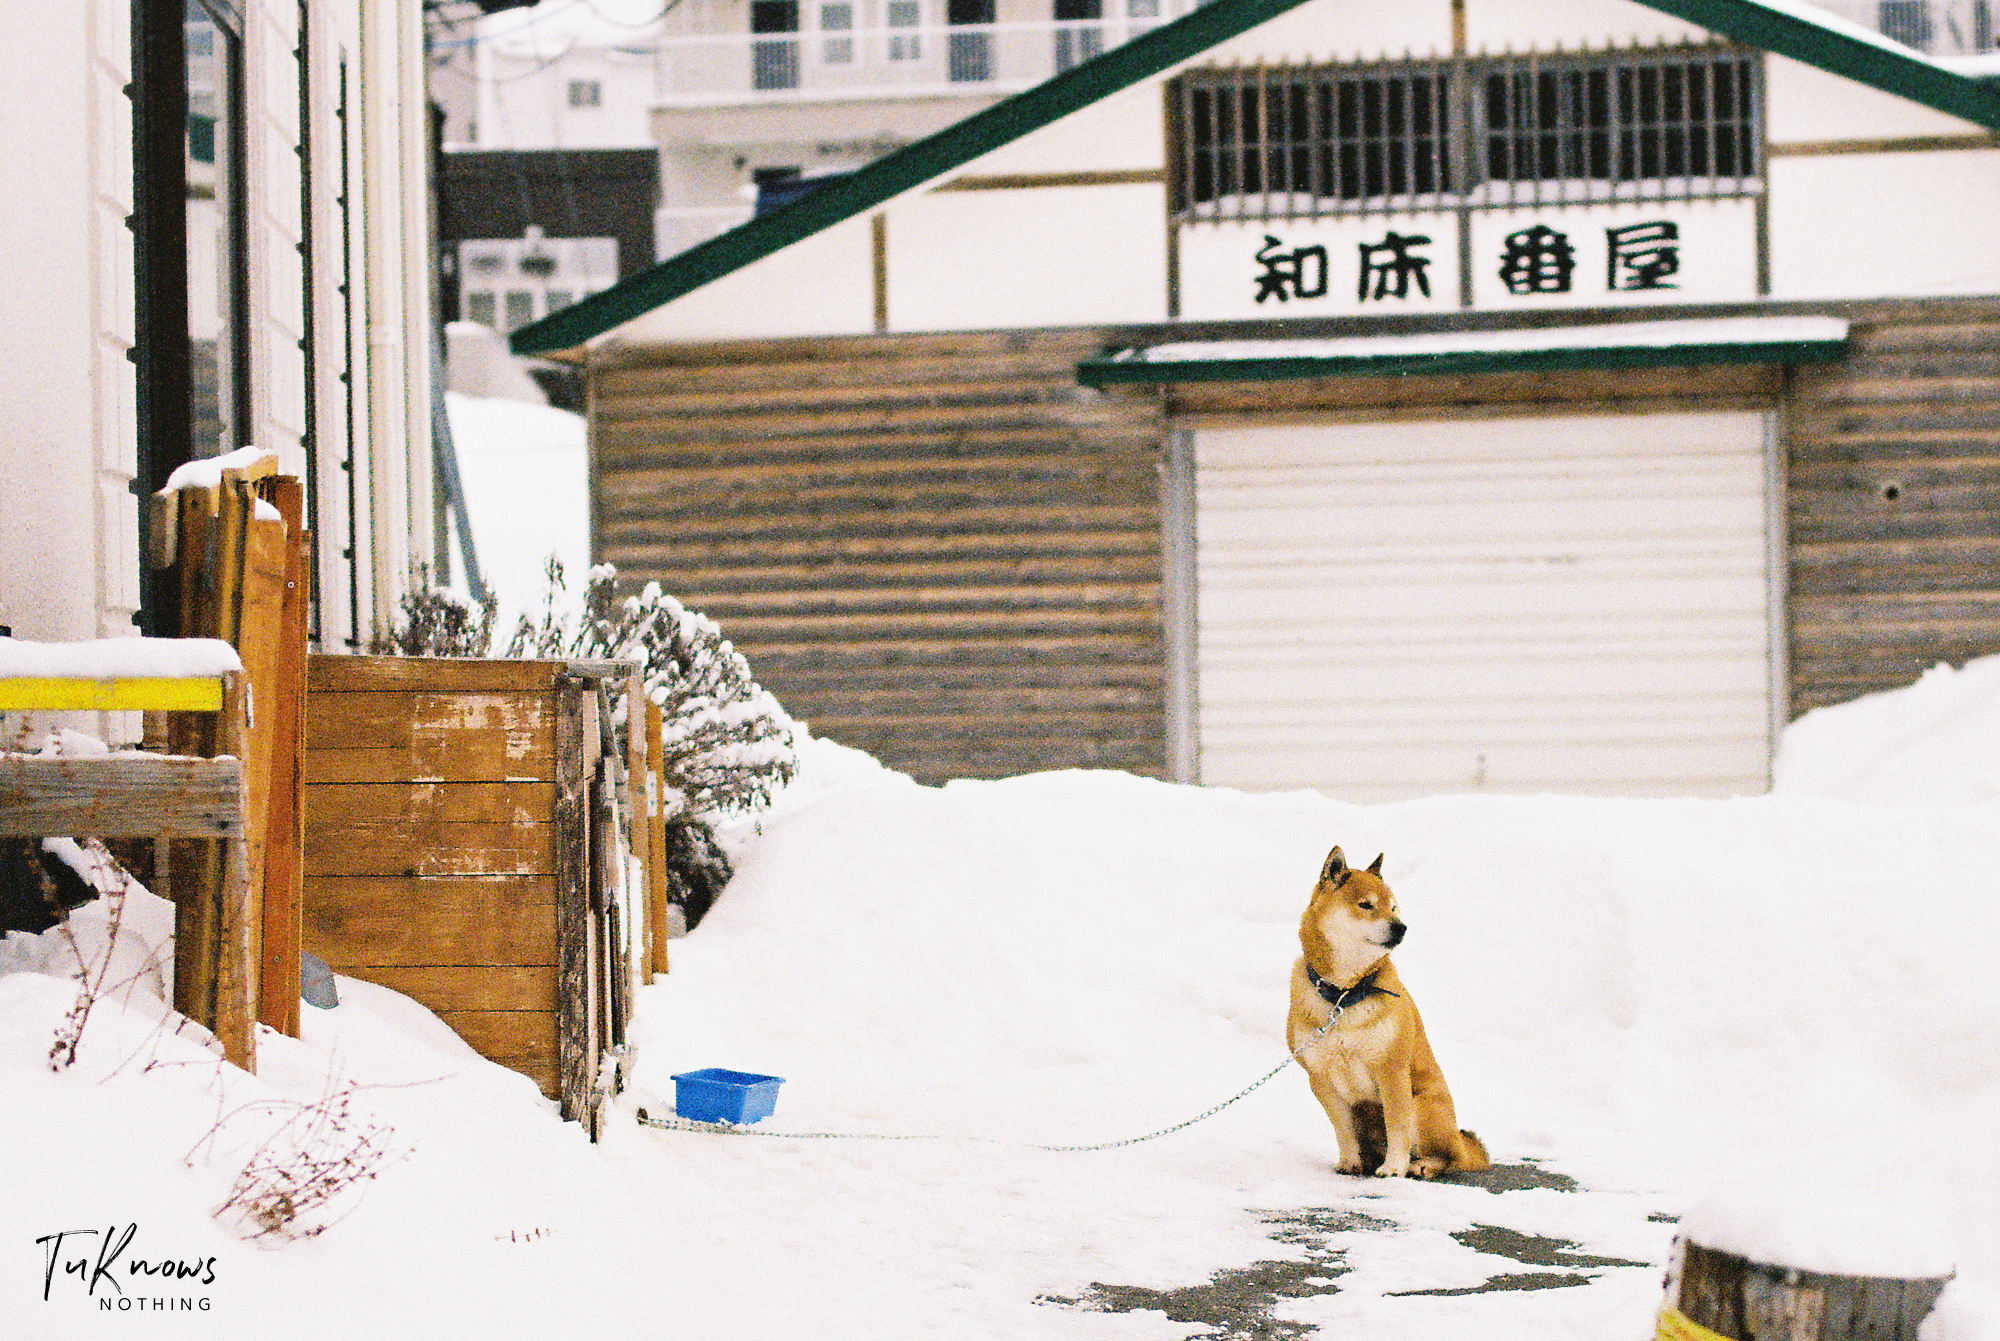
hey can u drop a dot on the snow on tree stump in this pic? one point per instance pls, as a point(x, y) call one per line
point(1723, 1295)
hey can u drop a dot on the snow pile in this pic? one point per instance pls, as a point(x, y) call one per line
point(1675, 1003)
point(1933, 743)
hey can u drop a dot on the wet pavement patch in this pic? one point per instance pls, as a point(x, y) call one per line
point(1237, 1304)
point(1528, 1250)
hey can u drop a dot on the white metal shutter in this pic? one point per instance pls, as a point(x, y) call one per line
point(1574, 604)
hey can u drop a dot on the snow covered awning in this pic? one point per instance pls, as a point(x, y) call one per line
point(1642, 344)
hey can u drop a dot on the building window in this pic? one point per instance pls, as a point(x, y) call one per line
point(968, 56)
point(586, 93)
point(1908, 22)
point(774, 61)
point(1291, 142)
point(1079, 38)
point(836, 21)
point(903, 19)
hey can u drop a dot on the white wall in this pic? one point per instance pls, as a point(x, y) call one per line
point(68, 521)
point(69, 548)
point(1056, 254)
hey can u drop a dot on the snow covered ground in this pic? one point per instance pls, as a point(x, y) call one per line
point(1782, 1010)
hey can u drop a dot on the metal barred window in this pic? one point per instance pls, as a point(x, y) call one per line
point(1302, 142)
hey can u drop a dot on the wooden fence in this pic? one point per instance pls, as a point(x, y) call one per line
point(475, 840)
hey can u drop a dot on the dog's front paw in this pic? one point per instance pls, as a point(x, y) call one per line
point(1389, 1170)
point(1352, 1168)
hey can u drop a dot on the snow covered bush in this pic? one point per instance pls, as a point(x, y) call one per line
point(728, 745)
point(432, 621)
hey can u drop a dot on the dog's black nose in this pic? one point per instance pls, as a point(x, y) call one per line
point(1396, 930)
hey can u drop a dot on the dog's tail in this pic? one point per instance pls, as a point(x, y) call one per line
point(1468, 1153)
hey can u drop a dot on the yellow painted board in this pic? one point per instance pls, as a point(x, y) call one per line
point(136, 694)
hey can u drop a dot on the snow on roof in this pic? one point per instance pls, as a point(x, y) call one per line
point(1636, 335)
point(117, 659)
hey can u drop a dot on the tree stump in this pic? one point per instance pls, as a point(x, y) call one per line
point(1728, 1296)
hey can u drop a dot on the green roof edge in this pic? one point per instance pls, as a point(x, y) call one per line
point(1111, 371)
point(1907, 76)
point(890, 176)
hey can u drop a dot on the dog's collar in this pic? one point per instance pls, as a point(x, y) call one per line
point(1340, 998)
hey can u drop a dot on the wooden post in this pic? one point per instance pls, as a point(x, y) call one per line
point(1717, 1294)
point(638, 828)
point(284, 825)
point(575, 1053)
point(656, 833)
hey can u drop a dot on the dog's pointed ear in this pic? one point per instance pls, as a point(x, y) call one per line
point(1375, 866)
point(1336, 865)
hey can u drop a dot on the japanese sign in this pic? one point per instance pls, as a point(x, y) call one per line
point(1602, 255)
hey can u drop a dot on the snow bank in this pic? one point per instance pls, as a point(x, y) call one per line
point(1664, 1000)
point(1933, 743)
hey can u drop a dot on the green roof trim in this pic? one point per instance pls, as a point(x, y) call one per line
point(890, 176)
point(1683, 344)
point(1887, 68)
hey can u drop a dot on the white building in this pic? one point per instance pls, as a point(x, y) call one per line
point(1561, 400)
point(220, 244)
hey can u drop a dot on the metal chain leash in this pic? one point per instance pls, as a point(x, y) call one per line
point(739, 1129)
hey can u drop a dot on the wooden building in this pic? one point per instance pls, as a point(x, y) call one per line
point(1544, 412)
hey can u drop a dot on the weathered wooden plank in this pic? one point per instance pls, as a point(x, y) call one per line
point(1009, 387)
point(654, 816)
point(372, 720)
point(1068, 343)
point(488, 758)
point(354, 921)
point(347, 674)
point(838, 474)
point(928, 374)
point(899, 602)
point(336, 804)
point(1133, 621)
point(284, 871)
point(1926, 336)
point(1140, 566)
point(974, 705)
point(482, 987)
point(1632, 386)
point(427, 849)
point(667, 445)
point(644, 543)
point(121, 795)
point(576, 1053)
point(1892, 526)
point(1056, 516)
point(830, 505)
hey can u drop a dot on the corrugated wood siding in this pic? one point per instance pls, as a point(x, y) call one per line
point(938, 549)
point(1895, 504)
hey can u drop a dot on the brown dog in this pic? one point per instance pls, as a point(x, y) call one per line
point(1372, 1069)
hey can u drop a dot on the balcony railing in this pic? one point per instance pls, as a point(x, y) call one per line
point(898, 60)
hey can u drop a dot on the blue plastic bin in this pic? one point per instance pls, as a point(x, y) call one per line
point(714, 1094)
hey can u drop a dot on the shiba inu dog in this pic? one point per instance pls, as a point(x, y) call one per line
point(1372, 1068)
